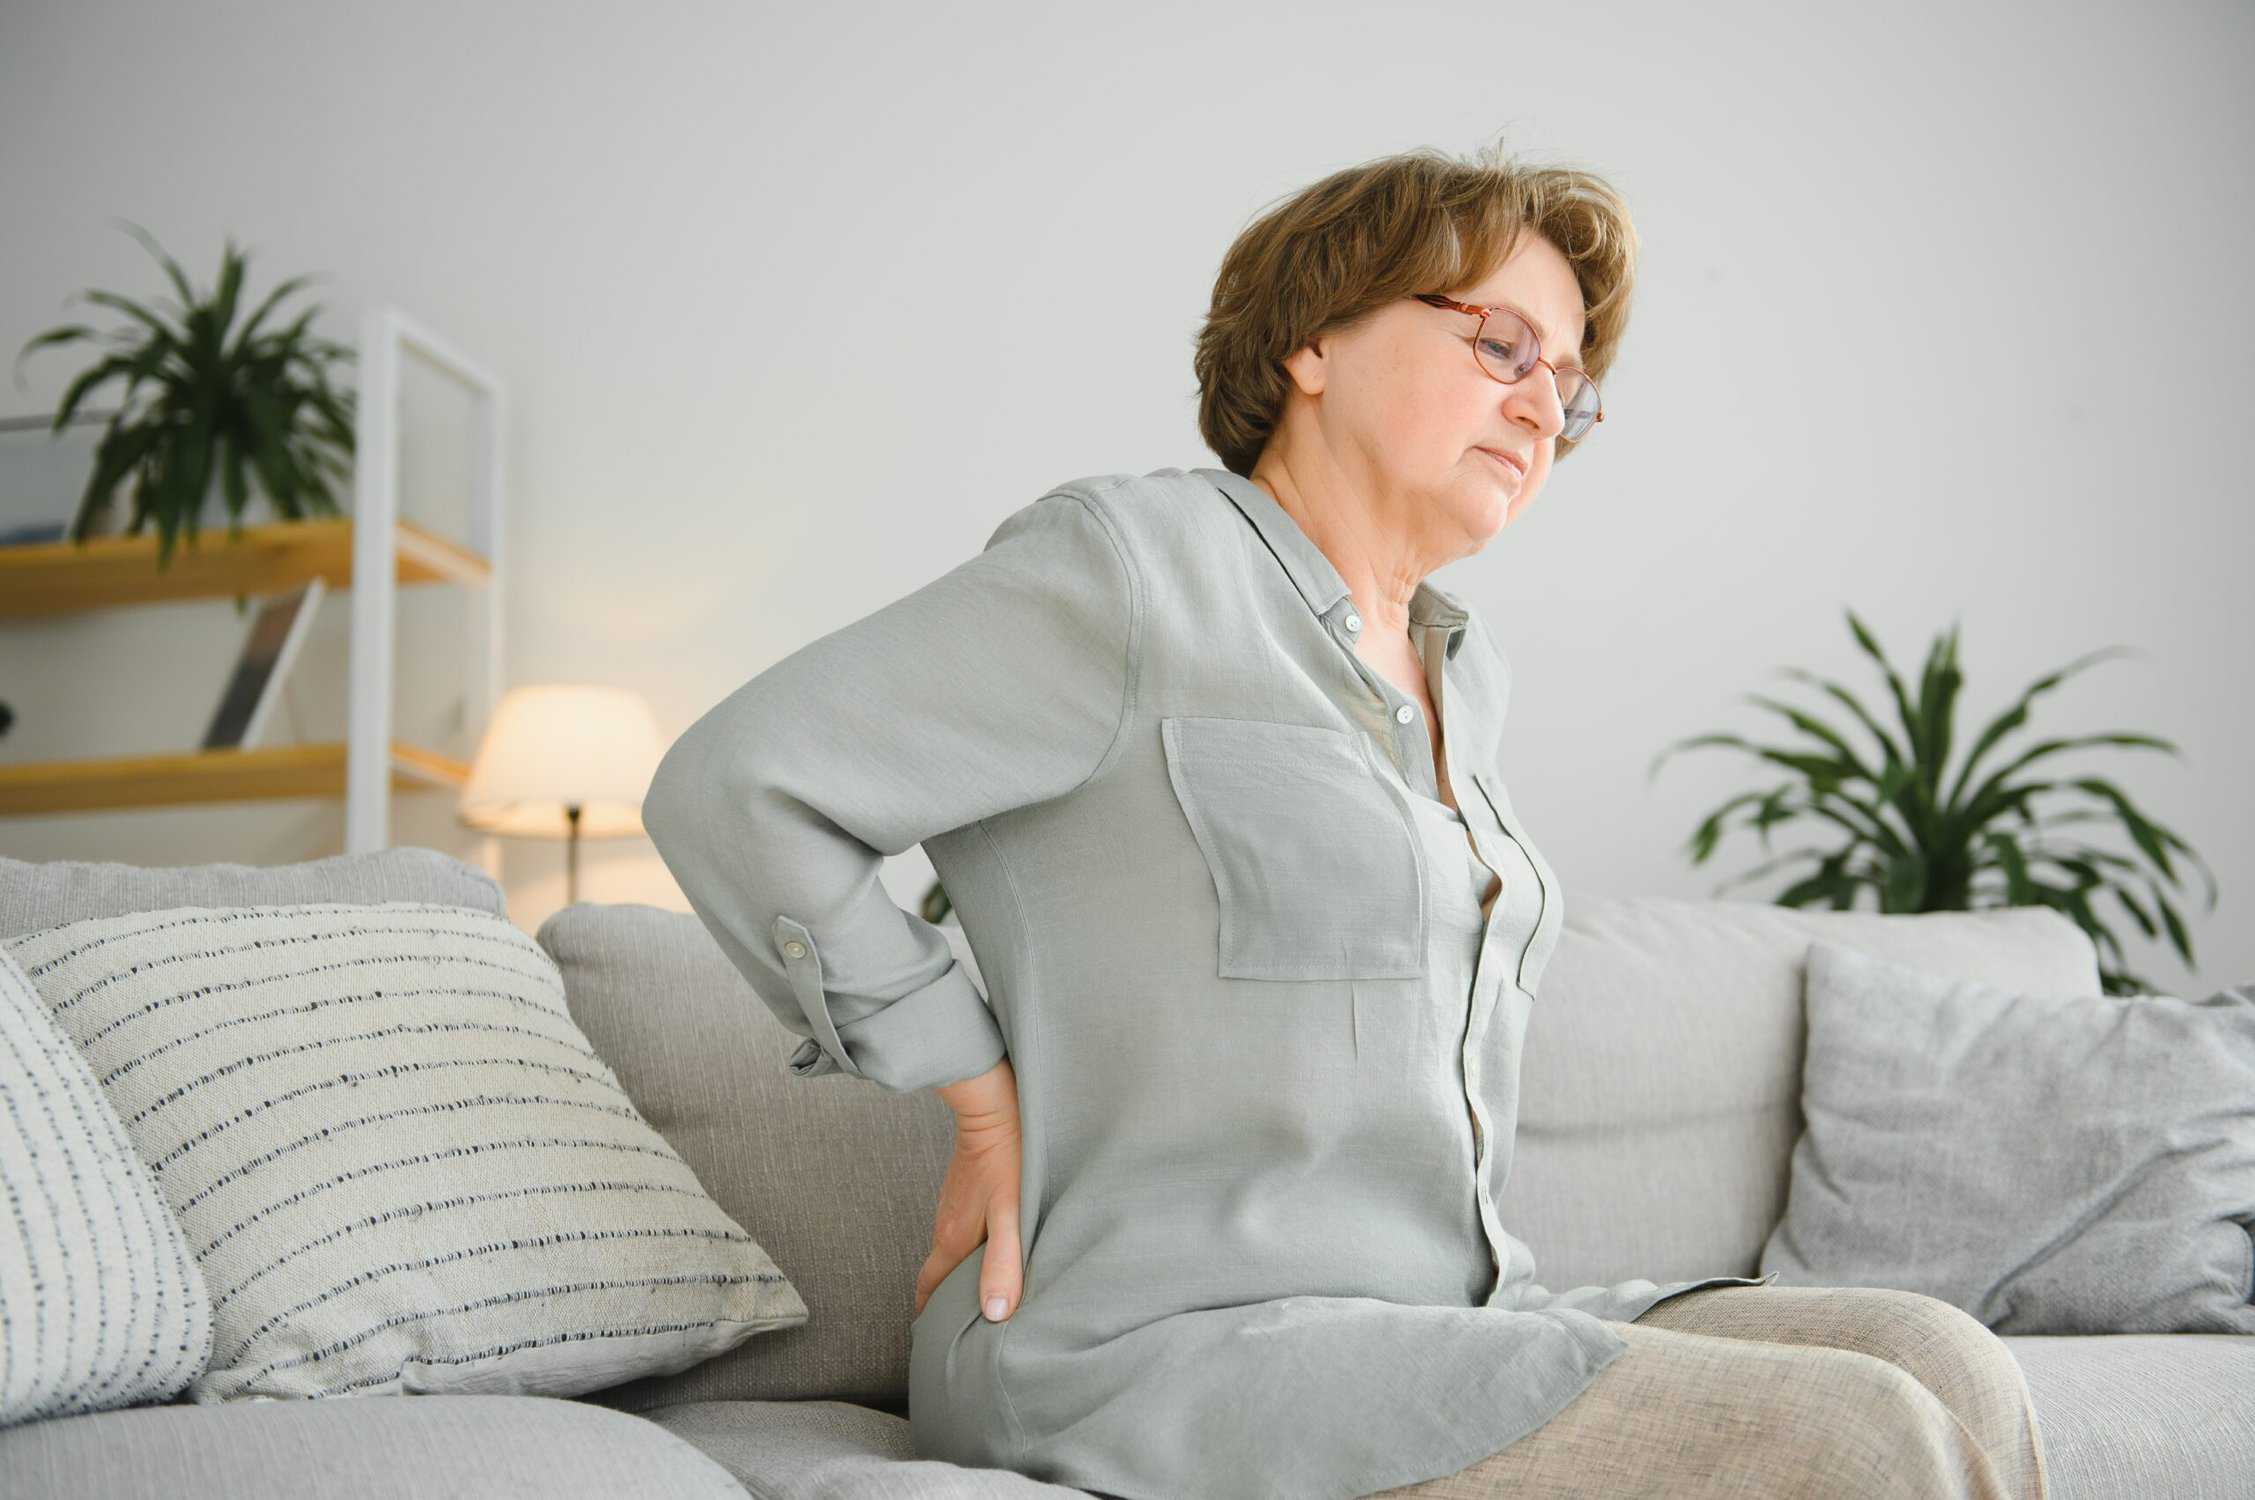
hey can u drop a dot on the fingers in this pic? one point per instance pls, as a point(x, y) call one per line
point(1000, 1276)
point(978, 1205)
point(931, 1274)
point(941, 1264)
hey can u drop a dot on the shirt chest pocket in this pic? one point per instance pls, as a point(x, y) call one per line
point(1315, 863)
point(1539, 924)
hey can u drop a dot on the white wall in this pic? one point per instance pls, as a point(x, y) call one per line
point(1943, 316)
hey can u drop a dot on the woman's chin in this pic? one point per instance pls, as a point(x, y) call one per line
point(1490, 516)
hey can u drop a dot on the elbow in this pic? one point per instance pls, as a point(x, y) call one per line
point(707, 781)
point(679, 806)
point(662, 802)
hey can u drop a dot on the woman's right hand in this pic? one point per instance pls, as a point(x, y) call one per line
point(979, 1195)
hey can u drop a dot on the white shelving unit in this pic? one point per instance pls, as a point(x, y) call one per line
point(387, 336)
point(371, 553)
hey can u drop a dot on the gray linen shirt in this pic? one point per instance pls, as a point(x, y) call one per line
point(1266, 1041)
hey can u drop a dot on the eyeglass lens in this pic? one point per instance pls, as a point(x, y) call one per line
point(1507, 349)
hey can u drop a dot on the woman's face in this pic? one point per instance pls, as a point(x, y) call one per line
point(1399, 409)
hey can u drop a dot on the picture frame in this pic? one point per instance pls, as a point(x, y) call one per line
point(262, 671)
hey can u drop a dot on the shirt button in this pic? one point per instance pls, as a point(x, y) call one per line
point(1404, 714)
point(1354, 622)
point(795, 948)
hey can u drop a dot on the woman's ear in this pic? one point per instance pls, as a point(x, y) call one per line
point(1310, 365)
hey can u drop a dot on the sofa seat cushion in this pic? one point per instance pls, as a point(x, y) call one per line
point(358, 1448)
point(2143, 1413)
point(832, 1450)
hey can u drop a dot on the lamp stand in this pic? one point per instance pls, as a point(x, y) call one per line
point(571, 855)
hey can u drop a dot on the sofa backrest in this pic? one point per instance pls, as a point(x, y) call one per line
point(37, 894)
point(42, 893)
point(1660, 1086)
point(836, 1178)
point(1660, 1080)
point(1661, 1072)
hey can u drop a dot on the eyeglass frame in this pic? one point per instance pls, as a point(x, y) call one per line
point(1442, 299)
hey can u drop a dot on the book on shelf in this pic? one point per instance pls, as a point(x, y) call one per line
point(263, 669)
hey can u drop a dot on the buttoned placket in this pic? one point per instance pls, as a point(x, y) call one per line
point(1409, 748)
point(1328, 596)
point(1414, 758)
point(1484, 989)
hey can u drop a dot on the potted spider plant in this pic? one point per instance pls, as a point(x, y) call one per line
point(228, 407)
point(1978, 843)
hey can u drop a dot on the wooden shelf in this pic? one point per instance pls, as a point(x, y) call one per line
point(123, 781)
point(60, 579)
point(53, 578)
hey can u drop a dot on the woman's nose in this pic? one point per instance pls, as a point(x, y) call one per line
point(1535, 400)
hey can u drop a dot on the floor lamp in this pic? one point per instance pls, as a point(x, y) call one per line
point(564, 761)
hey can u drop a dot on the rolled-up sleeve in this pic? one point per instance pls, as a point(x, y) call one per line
point(1004, 682)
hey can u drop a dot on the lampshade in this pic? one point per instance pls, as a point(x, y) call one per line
point(558, 744)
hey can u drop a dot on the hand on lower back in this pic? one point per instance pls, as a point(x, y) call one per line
point(979, 1196)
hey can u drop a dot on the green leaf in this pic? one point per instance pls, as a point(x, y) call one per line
point(2018, 885)
point(1912, 794)
point(223, 305)
point(1992, 794)
point(65, 335)
point(159, 330)
point(1833, 881)
point(1873, 826)
point(2129, 904)
point(271, 456)
point(1702, 841)
point(2017, 715)
point(2178, 937)
point(1905, 883)
point(2154, 839)
point(134, 368)
point(233, 478)
point(1919, 850)
point(117, 455)
point(1851, 764)
point(1903, 707)
point(250, 326)
point(172, 268)
point(186, 469)
point(235, 402)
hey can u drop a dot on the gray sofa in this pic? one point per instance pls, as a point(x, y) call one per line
point(1661, 1106)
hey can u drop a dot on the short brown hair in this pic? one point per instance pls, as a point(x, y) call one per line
point(1421, 221)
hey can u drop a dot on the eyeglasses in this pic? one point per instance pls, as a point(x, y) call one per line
point(1506, 347)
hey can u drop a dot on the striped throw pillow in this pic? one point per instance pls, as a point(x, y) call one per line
point(101, 1305)
point(395, 1157)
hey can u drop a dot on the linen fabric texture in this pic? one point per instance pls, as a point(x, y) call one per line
point(2050, 1163)
point(1867, 1392)
point(101, 1305)
point(396, 1160)
point(1267, 1071)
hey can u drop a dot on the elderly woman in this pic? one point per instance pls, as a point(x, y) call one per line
point(1211, 776)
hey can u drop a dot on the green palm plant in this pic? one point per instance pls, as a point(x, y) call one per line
point(257, 406)
point(1921, 848)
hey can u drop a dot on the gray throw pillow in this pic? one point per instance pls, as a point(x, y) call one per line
point(2049, 1163)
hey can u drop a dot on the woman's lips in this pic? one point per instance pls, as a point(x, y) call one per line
point(1507, 463)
